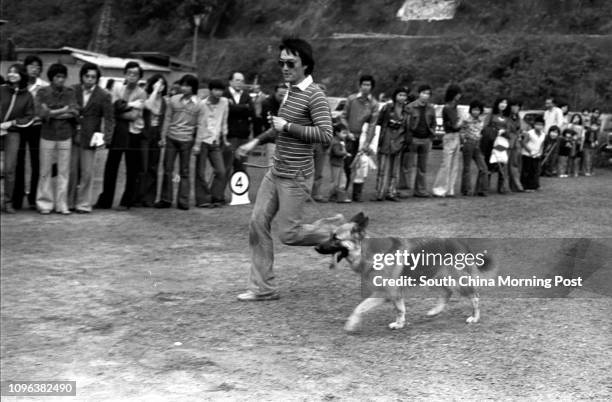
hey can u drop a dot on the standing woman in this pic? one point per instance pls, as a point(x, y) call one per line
point(498, 124)
point(393, 125)
point(16, 109)
point(576, 126)
point(514, 152)
point(153, 115)
point(444, 185)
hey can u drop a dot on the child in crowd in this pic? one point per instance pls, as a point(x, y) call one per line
point(566, 146)
point(337, 155)
point(551, 152)
point(499, 157)
point(471, 132)
point(578, 134)
point(531, 155)
point(590, 144)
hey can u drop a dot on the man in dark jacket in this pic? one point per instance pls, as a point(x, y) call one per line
point(239, 121)
point(422, 126)
point(95, 107)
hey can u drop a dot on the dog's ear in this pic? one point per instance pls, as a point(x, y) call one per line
point(361, 221)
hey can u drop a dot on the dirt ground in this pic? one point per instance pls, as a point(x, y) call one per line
point(141, 305)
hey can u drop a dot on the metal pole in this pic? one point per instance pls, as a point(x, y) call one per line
point(194, 54)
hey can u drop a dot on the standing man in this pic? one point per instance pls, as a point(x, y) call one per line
point(241, 115)
point(183, 115)
point(57, 106)
point(360, 108)
point(30, 139)
point(128, 102)
point(422, 126)
point(304, 119)
point(95, 106)
point(212, 135)
point(270, 107)
point(553, 115)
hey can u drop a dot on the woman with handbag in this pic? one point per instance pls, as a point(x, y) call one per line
point(17, 111)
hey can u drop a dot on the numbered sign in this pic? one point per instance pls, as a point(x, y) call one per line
point(239, 185)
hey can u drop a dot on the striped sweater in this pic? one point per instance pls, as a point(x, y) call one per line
point(307, 109)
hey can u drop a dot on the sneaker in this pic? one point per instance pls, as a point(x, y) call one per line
point(64, 212)
point(344, 201)
point(205, 205)
point(44, 212)
point(82, 211)
point(249, 295)
point(588, 174)
point(392, 198)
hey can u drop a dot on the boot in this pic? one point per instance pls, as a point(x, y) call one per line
point(357, 188)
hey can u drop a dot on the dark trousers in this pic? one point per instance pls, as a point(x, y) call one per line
point(471, 151)
point(182, 149)
point(417, 159)
point(530, 176)
point(30, 138)
point(352, 146)
point(230, 161)
point(128, 143)
point(149, 167)
point(11, 150)
point(215, 192)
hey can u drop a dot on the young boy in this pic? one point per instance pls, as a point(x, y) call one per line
point(177, 136)
point(531, 155)
point(470, 137)
point(211, 137)
point(337, 155)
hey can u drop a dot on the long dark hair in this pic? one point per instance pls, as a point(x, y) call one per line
point(496, 111)
point(23, 75)
point(152, 80)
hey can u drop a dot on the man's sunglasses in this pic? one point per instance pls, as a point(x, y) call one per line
point(288, 63)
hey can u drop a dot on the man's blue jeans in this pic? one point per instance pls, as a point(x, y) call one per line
point(182, 149)
point(283, 198)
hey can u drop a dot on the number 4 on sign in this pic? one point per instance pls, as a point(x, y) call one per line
point(239, 185)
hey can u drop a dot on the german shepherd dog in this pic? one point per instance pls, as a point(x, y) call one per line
point(349, 241)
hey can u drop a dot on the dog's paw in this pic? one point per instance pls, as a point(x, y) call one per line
point(434, 311)
point(472, 320)
point(352, 325)
point(396, 325)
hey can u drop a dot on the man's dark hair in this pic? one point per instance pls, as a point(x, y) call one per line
point(301, 48)
point(280, 85)
point(88, 67)
point(563, 103)
point(596, 109)
point(31, 59)
point(56, 69)
point(424, 87)
point(133, 64)
point(451, 92)
point(216, 84)
point(23, 75)
point(476, 105)
point(151, 82)
point(515, 102)
point(367, 77)
point(190, 81)
point(552, 99)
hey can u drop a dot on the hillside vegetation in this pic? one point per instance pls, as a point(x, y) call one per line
point(524, 48)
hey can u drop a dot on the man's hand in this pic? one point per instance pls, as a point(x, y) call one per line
point(6, 125)
point(196, 149)
point(350, 136)
point(278, 123)
point(162, 143)
point(226, 142)
point(243, 150)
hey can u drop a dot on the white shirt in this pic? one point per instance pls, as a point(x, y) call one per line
point(86, 95)
point(302, 86)
point(235, 95)
point(533, 146)
point(37, 85)
point(553, 117)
